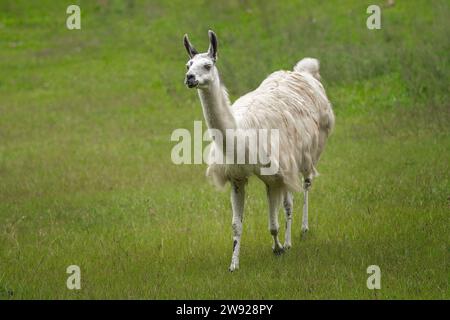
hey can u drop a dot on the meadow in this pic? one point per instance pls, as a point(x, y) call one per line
point(86, 176)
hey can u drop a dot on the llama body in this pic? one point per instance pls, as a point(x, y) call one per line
point(294, 103)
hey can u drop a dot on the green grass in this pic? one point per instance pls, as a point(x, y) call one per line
point(86, 176)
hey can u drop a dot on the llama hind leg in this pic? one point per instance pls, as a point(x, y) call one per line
point(274, 196)
point(237, 204)
point(306, 187)
point(288, 202)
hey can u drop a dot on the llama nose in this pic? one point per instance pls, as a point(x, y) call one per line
point(190, 80)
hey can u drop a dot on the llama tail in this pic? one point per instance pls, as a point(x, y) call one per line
point(309, 65)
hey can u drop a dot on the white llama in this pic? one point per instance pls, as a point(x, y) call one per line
point(295, 103)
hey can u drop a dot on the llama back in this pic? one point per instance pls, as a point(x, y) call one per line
point(295, 103)
point(311, 66)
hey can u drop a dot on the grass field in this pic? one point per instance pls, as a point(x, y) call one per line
point(86, 176)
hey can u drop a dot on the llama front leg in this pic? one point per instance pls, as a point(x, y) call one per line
point(288, 203)
point(237, 204)
point(274, 196)
point(306, 187)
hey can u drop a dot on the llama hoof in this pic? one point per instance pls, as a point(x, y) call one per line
point(287, 246)
point(307, 184)
point(278, 250)
point(234, 266)
point(305, 230)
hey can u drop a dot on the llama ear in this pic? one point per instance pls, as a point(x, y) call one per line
point(189, 47)
point(212, 51)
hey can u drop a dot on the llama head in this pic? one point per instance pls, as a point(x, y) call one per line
point(201, 70)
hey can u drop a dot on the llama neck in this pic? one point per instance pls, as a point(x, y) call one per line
point(216, 107)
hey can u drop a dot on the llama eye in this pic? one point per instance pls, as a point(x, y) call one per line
point(207, 66)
